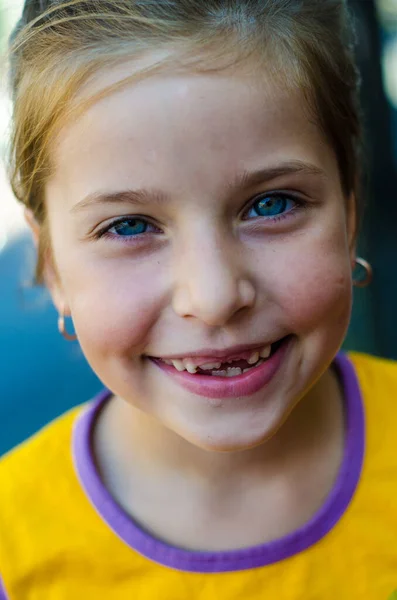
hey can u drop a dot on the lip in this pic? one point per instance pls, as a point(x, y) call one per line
point(210, 386)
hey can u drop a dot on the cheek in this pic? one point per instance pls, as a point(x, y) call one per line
point(114, 306)
point(322, 294)
point(315, 286)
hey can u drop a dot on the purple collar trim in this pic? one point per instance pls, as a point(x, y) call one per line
point(234, 560)
point(3, 594)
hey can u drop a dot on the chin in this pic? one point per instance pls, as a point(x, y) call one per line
point(228, 442)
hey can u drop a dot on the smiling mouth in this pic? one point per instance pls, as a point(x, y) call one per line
point(233, 367)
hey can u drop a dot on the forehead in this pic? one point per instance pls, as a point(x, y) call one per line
point(176, 129)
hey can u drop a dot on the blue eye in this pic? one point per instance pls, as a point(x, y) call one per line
point(271, 205)
point(129, 227)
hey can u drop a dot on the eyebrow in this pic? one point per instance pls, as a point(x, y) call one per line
point(142, 197)
point(294, 167)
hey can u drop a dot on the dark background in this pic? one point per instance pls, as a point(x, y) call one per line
point(41, 375)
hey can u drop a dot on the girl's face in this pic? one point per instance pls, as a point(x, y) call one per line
point(201, 217)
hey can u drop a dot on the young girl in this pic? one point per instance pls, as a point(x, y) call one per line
point(190, 173)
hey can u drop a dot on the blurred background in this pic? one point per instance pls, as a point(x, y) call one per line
point(42, 375)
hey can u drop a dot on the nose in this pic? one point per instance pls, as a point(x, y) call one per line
point(211, 283)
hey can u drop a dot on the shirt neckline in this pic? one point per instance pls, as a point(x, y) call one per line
point(299, 540)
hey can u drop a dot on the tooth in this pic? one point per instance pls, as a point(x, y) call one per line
point(189, 366)
point(178, 364)
point(233, 371)
point(219, 373)
point(253, 358)
point(167, 362)
point(265, 352)
point(229, 372)
point(210, 366)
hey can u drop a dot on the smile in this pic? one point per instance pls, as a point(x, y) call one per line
point(242, 373)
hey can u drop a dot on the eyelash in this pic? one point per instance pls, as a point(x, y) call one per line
point(299, 204)
point(106, 233)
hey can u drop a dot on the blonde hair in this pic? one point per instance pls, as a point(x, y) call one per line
point(58, 46)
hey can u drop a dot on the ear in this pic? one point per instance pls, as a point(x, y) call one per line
point(351, 222)
point(50, 275)
point(33, 225)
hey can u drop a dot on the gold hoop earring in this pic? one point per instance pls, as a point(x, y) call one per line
point(362, 282)
point(62, 329)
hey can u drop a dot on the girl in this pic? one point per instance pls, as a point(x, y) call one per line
point(190, 173)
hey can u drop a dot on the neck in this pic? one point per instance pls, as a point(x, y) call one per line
point(139, 459)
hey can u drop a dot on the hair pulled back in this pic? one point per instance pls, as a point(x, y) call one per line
point(58, 46)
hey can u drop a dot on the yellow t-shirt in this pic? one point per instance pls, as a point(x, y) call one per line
point(62, 536)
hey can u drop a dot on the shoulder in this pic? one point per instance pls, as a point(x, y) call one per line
point(374, 363)
point(38, 483)
point(45, 513)
point(375, 375)
point(33, 469)
point(41, 450)
point(377, 380)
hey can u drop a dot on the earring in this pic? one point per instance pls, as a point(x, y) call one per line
point(62, 329)
point(362, 281)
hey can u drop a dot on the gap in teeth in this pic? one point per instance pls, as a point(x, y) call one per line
point(234, 371)
point(188, 364)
